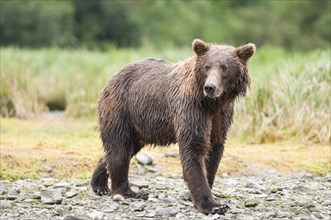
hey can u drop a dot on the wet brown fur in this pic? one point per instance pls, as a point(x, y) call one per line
point(157, 102)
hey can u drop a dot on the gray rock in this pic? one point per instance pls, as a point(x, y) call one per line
point(71, 193)
point(96, 215)
point(140, 169)
point(36, 195)
point(187, 196)
point(14, 191)
point(301, 188)
point(47, 168)
point(161, 196)
point(5, 204)
point(64, 185)
point(138, 206)
point(111, 208)
point(144, 158)
point(11, 197)
point(150, 214)
point(270, 198)
point(152, 169)
point(76, 217)
point(80, 183)
point(270, 215)
point(170, 199)
point(305, 175)
point(171, 154)
point(254, 185)
point(313, 217)
point(51, 196)
point(3, 191)
point(327, 202)
point(200, 215)
point(135, 189)
point(29, 200)
point(168, 211)
point(328, 177)
point(48, 184)
point(260, 207)
point(251, 203)
point(180, 216)
point(140, 184)
point(224, 175)
point(118, 197)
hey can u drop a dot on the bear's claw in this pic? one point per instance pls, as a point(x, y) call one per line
point(101, 191)
point(139, 195)
point(221, 209)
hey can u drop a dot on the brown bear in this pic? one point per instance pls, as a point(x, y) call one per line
point(156, 102)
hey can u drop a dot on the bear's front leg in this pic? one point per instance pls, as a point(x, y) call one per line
point(194, 171)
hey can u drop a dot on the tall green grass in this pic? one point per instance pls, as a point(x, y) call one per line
point(289, 96)
point(289, 99)
point(33, 79)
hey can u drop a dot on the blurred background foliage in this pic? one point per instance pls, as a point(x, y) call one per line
point(96, 24)
point(58, 55)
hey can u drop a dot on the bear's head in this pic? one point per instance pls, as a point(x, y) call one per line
point(222, 68)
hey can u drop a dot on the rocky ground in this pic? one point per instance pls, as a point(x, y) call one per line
point(249, 197)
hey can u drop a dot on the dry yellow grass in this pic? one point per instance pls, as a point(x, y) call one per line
point(72, 148)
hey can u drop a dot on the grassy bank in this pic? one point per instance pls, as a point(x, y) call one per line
point(289, 98)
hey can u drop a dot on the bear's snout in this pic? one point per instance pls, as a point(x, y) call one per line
point(209, 89)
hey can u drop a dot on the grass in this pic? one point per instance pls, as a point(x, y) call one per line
point(289, 97)
point(291, 104)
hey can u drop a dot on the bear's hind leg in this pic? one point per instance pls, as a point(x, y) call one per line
point(213, 161)
point(99, 181)
point(118, 160)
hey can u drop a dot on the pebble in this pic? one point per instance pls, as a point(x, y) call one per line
point(140, 183)
point(51, 196)
point(76, 217)
point(327, 202)
point(251, 203)
point(144, 158)
point(5, 204)
point(161, 196)
point(118, 197)
point(61, 185)
point(171, 154)
point(47, 168)
point(96, 215)
point(152, 169)
point(11, 197)
point(71, 193)
point(168, 211)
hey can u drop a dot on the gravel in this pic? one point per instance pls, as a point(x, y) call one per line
point(249, 197)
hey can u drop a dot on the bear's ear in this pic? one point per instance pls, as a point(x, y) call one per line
point(245, 52)
point(200, 47)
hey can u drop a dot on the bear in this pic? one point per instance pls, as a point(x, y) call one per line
point(155, 102)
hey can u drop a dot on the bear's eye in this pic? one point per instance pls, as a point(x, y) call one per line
point(224, 67)
point(207, 67)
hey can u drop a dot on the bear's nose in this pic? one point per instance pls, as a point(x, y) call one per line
point(210, 88)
